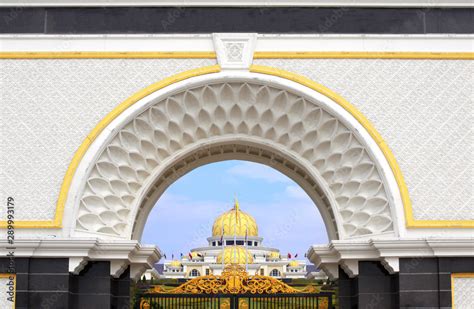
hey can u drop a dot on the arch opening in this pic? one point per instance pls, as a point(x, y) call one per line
point(242, 150)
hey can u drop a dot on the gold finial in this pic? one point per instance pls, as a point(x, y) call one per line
point(236, 204)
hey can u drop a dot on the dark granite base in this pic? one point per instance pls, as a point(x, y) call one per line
point(47, 283)
point(421, 283)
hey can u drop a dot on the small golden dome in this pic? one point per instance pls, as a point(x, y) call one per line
point(175, 263)
point(195, 255)
point(294, 264)
point(235, 255)
point(274, 255)
point(235, 221)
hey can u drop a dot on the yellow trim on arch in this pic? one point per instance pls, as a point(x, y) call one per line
point(458, 275)
point(57, 221)
point(411, 222)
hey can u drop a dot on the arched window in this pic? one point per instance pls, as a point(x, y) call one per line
point(194, 273)
point(275, 273)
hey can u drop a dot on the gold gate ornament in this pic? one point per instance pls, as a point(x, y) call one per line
point(233, 280)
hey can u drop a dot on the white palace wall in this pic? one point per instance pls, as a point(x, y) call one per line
point(423, 108)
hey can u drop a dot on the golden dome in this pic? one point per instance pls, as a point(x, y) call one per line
point(175, 263)
point(235, 221)
point(235, 255)
point(274, 255)
point(294, 264)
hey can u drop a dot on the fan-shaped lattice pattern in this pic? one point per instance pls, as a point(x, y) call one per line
point(278, 116)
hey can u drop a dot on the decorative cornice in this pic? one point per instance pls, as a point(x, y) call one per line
point(347, 254)
point(81, 251)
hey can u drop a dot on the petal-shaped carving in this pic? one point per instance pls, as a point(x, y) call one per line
point(370, 188)
point(99, 186)
point(246, 108)
point(157, 116)
point(375, 205)
point(209, 97)
point(148, 150)
point(174, 131)
point(246, 95)
point(341, 142)
point(191, 102)
point(118, 155)
point(114, 203)
point(95, 204)
point(175, 109)
point(204, 119)
point(235, 114)
point(353, 156)
point(119, 187)
point(328, 129)
point(137, 161)
point(280, 103)
point(143, 129)
point(343, 174)
point(129, 141)
point(127, 173)
point(107, 170)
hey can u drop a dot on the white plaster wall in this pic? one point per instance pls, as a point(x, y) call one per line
point(47, 109)
point(424, 111)
point(463, 292)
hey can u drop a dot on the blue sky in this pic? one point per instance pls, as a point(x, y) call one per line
point(183, 216)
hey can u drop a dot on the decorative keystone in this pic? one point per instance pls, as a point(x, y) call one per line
point(234, 50)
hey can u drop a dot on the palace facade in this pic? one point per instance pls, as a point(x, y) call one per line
point(235, 240)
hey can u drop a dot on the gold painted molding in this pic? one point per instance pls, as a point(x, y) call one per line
point(257, 55)
point(58, 217)
point(107, 55)
point(458, 275)
point(364, 55)
point(411, 222)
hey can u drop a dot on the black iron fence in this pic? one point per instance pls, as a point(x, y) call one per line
point(321, 300)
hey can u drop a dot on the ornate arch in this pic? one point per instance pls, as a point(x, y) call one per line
point(220, 116)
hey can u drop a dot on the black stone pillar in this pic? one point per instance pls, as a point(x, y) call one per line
point(426, 282)
point(121, 291)
point(421, 283)
point(47, 283)
point(41, 283)
point(373, 288)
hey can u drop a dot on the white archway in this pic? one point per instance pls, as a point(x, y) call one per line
point(234, 115)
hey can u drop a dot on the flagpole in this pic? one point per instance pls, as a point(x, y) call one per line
point(235, 232)
point(222, 244)
point(246, 247)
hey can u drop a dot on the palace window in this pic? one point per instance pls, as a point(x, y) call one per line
point(208, 272)
point(249, 243)
point(229, 242)
point(255, 243)
point(262, 272)
point(240, 242)
point(194, 273)
point(275, 273)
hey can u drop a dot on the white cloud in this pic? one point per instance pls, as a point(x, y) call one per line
point(257, 171)
point(296, 192)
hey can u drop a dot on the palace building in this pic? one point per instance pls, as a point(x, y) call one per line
point(235, 240)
